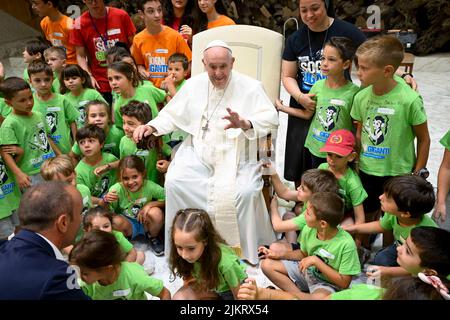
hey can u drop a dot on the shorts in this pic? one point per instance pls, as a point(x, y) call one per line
point(8, 224)
point(374, 188)
point(138, 228)
point(306, 282)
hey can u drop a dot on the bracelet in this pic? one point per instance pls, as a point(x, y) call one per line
point(407, 74)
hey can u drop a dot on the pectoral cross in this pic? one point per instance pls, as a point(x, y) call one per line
point(205, 128)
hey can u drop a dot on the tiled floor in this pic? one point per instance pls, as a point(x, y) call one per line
point(432, 75)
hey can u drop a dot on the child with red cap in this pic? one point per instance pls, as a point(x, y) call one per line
point(341, 155)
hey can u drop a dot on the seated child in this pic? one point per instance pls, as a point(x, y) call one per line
point(100, 218)
point(91, 140)
point(105, 274)
point(405, 201)
point(138, 203)
point(327, 258)
point(210, 269)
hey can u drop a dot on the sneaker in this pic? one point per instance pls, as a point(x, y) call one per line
point(157, 246)
point(149, 268)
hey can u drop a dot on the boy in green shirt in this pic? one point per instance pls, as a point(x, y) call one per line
point(55, 57)
point(91, 139)
point(23, 135)
point(390, 116)
point(34, 51)
point(60, 115)
point(405, 201)
point(328, 257)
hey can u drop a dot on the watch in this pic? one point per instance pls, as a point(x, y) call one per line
point(424, 173)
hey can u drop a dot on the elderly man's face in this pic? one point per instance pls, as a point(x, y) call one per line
point(218, 63)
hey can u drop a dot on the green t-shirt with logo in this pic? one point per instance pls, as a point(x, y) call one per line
point(128, 147)
point(387, 136)
point(5, 109)
point(80, 102)
point(339, 252)
point(350, 187)
point(390, 222)
point(359, 292)
point(332, 113)
point(130, 203)
point(231, 271)
point(9, 191)
point(98, 186)
point(131, 284)
point(29, 133)
point(445, 141)
point(124, 244)
point(59, 114)
point(143, 94)
point(112, 142)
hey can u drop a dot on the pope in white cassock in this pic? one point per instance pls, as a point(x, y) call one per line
point(215, 168)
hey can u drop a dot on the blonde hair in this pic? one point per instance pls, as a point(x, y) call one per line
point(61, 164)
point(382, 50)
point(59, 51)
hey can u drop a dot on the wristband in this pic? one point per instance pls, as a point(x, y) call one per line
point(407, 74)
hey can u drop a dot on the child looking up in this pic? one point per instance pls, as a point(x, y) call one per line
point(23, 134)
point(91, 140)
point(210, 269)
point(138, 202)
point(100, 218)
point(77, 88)
point(55, 57)
point(105, 274)
point(405, 201)
point(59, 113)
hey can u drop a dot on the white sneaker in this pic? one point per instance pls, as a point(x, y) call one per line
point(149, 268)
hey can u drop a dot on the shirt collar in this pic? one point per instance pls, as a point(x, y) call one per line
point(58, 253)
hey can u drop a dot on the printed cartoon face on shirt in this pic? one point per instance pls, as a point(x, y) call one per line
point(102, 186)
point(328, 117)
point(309, 67)
point(52, 121)
point(3, 173)
point(102, 46)
point(82, 117)
point(133, 211)
point(376, 128)
point(39, 141)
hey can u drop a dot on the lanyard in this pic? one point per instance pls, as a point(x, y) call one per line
point(104, 38)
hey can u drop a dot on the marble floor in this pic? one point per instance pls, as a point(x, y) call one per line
point(431, 73)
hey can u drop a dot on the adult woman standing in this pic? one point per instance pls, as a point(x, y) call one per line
point(301, 69)
point(179, 15)
point(212, 15)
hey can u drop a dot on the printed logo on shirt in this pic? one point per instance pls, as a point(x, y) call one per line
point(100, 49)
point(376, 129)
point(3, 173)
point(156, 65)
point(310, 69)
point(133, 211)
point(39, 141)
point(57, 42)
point(102, 186)
point(52, 121)
point(5, 188)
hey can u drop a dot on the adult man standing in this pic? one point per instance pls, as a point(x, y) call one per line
point(214, 169)
point(31, 264)
point(94, 32)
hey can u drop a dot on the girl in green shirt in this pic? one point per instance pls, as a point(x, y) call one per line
point(210, 269)
point(105, 274)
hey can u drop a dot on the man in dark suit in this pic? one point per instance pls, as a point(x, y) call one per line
point(31, 264)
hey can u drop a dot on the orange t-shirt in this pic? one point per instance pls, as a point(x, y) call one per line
point(57, 32)
point(220, 22)
point(153, 51)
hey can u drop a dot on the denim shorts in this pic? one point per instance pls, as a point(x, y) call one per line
point(138, 228)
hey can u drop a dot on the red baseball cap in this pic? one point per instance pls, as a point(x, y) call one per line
point(341, 142)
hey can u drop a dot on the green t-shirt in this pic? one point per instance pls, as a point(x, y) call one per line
point(143, 94)
point(359, 292)
point(29, 133)
point(390, 222)
point(178, 134)
point(56, 85)
point(5, 110)
point(131, 284)
point(59, 114)
point(123, 242)
point(231, 271)
point(350, 187)
point(339, 252)
point(98, 186)
point(128, 147)
point(86, 197)
point(80, 102)
point(445, 141)
point(130, 203)
point(112, 142)
point(158, 94)
point(9, 191)
point(387, 137)
point(332, 113)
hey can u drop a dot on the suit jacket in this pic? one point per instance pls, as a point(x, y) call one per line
point(29, 270)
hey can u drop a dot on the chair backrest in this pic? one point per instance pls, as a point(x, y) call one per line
point(257, 51)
